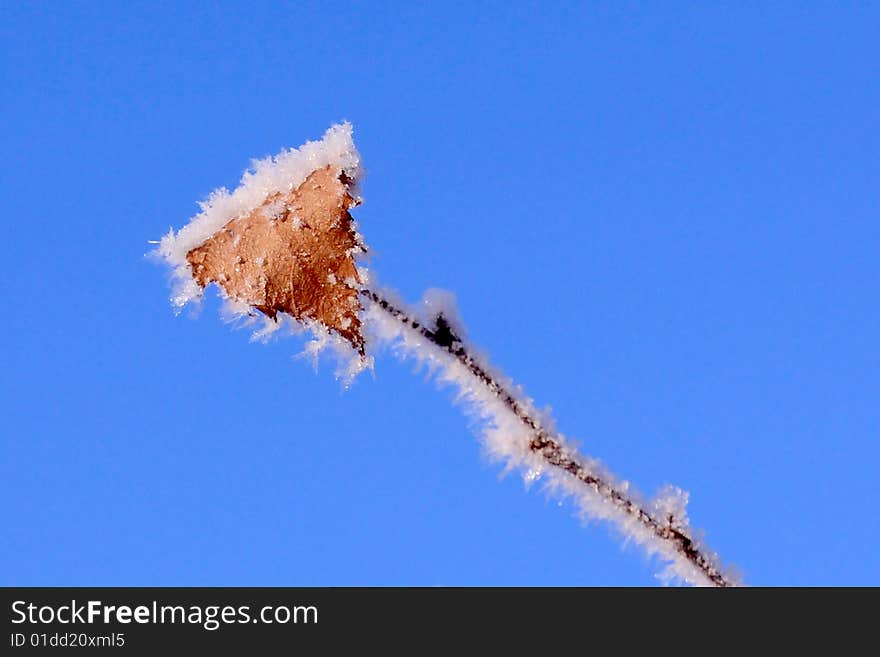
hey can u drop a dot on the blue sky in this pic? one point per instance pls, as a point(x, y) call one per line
point(661, 219)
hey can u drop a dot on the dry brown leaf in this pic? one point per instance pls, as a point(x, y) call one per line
point(293, 254)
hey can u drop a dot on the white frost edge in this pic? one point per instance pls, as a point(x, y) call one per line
point(280, 173)
point(506, 439)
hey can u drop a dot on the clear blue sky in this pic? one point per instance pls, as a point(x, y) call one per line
point(662, 219)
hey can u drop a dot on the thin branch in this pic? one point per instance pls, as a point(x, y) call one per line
point(285, 242)
point(550, 449)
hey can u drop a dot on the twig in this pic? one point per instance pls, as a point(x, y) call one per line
point(549, 448)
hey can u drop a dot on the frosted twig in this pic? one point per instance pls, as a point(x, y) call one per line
point(284, 244)
point(551, 450)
